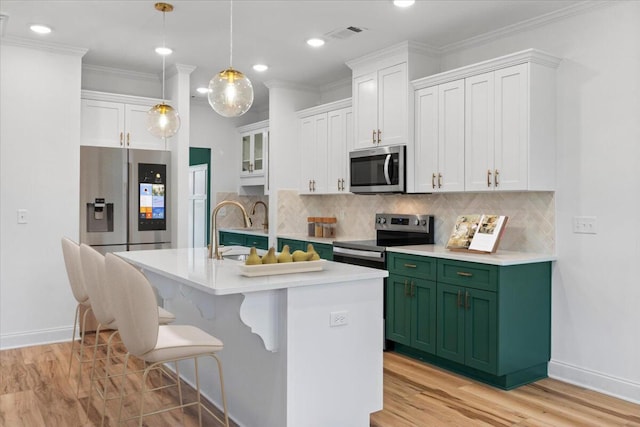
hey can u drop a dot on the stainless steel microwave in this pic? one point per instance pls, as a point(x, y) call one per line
point(378, 170)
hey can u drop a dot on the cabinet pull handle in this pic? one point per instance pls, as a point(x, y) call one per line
point(313, 181)
point(128, 139)
point(466, 301)
point(373, 137)
point(339, 185)
point(459, 302)
point(405, 288)
point(464, 273)
point(488, 178)
point(433, 180)
point(439, 180)
point(379, 136)
point(410, 265)
point(413, 289)
point(121, 138)
point(496, 178)
point(342, 180)
point(309, 185)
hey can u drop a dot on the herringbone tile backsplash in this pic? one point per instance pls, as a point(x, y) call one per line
point(531, 226)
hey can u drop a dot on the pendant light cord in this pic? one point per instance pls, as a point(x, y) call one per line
point(163, 55)
point(230, 33)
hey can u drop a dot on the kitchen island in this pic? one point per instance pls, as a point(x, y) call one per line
point(302, 349)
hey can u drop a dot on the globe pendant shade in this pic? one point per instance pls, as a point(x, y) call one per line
point(163, 121)
point(230, 93)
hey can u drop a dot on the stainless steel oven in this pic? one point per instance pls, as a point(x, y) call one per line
point(391, 230)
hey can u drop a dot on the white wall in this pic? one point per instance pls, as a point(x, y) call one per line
point(39, 171)
point(596, 290)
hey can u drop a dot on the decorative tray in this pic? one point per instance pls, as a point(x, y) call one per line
point(281, 268)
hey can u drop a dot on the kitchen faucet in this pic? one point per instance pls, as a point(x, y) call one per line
point(265, 224)
point(214, 249)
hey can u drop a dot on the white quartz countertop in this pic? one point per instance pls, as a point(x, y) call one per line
point(498, 258)
point(222, 277)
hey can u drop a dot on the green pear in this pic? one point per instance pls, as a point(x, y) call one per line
point(285, 255)
point(301, 256)
point(314, 255)
point(254, 258)
point(270, 257)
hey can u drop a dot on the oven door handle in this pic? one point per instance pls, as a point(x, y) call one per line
point(377, 256)
point(387, 161)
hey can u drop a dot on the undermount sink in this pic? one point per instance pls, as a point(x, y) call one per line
point(236, 257)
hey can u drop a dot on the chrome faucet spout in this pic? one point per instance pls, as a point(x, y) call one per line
point(214, 250)
point(265, 224)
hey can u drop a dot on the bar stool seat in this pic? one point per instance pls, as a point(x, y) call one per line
point(134, 308)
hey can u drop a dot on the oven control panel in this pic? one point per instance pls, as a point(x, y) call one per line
point(402, 222)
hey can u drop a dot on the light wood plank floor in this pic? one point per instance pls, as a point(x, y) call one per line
point(36, 391)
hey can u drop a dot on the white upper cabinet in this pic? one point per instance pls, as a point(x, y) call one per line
point(380, 103)
point(254, 154)
point(340, 131)
point(439, 138)
point(508, 123)
point(111, 120)
point(324, 134)
point(381, 108)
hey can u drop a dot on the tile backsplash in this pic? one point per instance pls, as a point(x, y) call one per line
point(531, 226)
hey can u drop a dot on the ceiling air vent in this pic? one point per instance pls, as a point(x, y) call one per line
point(344, 33)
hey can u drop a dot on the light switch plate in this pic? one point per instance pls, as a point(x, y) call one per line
point(22, 216)
point(585, 225)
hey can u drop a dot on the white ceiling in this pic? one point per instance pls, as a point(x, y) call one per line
point(123, 34)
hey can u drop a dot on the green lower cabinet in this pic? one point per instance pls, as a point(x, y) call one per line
point(324, 250)
point(240, 239)
point(491, 323)
point(410, 318)
point(467, 326)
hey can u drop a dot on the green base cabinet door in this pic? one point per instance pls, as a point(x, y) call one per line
point(324, 250)
point(398, 316)
point(423, 313)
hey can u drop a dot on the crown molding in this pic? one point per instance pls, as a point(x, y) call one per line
point(525, 25)
point(347, 81)
point(534, 56)
point(253, 126)
point(185, 69)
point(136, 75)
point(324, 108)
point(43, 46)
point(117, 97)
point(279, 84)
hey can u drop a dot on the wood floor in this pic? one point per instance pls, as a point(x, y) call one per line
point(36, 391)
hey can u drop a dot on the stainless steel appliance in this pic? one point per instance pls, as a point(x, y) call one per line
point(391, 230)
point(124, 199)
point(378, 170)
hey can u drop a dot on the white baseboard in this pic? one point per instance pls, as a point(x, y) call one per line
point(38, 337)
point(593, 380)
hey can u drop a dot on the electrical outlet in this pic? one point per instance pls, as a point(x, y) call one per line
point(584, 224)
point(339, 318)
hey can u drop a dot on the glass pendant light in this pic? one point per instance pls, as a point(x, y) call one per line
point(230, 91)
point(163, 120)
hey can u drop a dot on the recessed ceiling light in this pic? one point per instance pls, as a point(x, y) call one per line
point(203, 90)
point(164, 51)
point(315, 42)
point(40, 29)
point(260, 67)
point(403, 3)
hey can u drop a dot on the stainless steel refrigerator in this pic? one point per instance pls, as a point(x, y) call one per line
point(124, 199)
